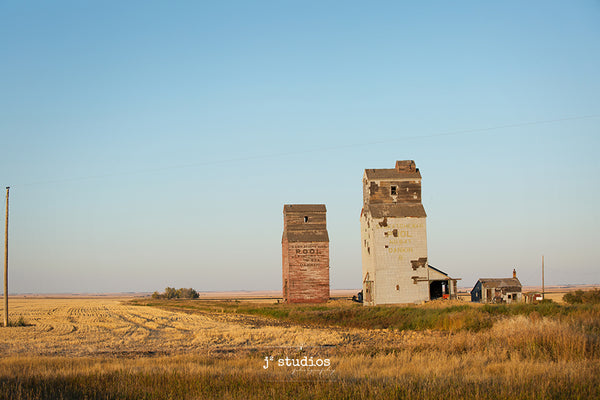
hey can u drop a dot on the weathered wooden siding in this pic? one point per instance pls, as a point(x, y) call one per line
point(305, 254)
point(307, 272)
point(404, 192)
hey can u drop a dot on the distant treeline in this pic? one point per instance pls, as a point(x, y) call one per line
point(172, 293)
point(581, 297)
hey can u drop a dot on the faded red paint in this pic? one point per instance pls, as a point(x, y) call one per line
point(305, 254)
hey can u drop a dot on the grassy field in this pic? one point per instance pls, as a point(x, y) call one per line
point(435, 315)
point(111, 349)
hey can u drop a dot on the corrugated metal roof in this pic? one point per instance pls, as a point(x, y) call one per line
point(304, 208)
point(391, 173)
point(397, 210)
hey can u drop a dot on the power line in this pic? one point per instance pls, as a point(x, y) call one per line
point(312, 150)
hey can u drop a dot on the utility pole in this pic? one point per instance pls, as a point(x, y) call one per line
point(6, 263)
point(543, 284)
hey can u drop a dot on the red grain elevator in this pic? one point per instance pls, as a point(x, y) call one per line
point(305, 253)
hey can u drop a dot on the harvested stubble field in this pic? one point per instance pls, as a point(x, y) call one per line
point(110, 348)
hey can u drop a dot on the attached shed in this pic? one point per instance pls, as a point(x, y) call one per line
point(497, 290)
point(441, 285)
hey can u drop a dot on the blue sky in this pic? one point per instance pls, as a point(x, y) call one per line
point(155, 143)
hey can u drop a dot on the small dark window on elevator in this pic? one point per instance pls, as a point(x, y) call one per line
point(305, 219)
point(394, 190)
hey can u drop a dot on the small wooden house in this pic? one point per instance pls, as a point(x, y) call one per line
point(497, 290)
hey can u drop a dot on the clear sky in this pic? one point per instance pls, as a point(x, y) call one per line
point(151, 144)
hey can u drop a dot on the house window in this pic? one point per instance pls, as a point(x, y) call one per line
point(394, 190)
point(305, 219)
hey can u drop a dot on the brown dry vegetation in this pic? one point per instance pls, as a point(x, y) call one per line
point(102, 348)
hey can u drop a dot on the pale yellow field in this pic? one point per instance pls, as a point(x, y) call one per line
point(82, 345)
point(76, 327)
point(110, 326)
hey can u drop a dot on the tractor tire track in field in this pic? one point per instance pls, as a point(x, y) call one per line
point(79, 327)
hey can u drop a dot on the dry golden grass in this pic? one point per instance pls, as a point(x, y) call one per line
point(82, 347)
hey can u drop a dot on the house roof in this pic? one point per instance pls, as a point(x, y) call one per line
point(391, 173)
point(500, 282)
point(399, 210)
point(304, 208)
